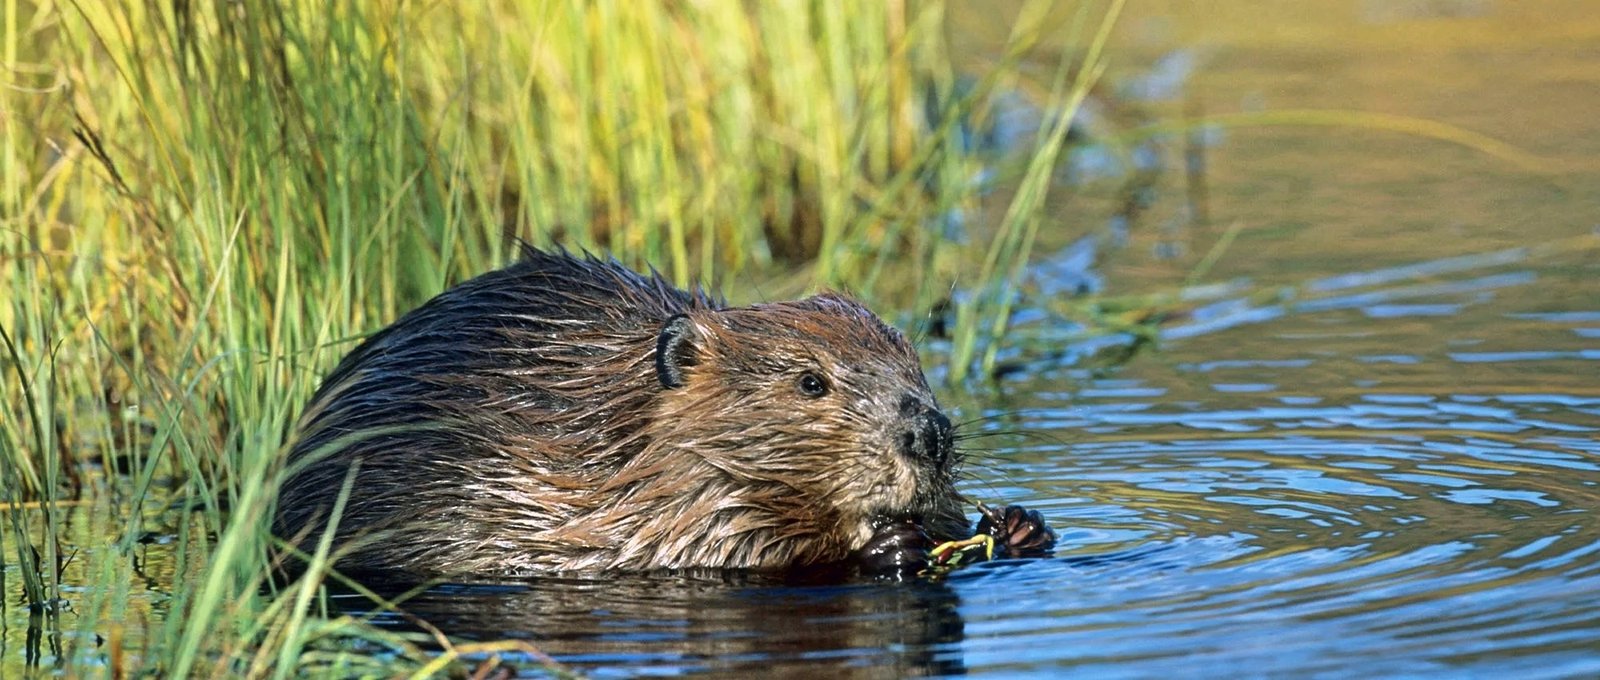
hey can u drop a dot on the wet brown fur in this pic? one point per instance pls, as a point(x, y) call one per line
point(518, 424)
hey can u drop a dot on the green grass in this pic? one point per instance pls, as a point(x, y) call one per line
point(205, 204)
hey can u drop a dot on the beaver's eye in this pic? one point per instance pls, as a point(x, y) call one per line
point(812, 385)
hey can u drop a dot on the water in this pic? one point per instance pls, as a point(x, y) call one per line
point(1374, 450)
point(1343, 490)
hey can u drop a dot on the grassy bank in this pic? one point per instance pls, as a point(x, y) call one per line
point(205, 204)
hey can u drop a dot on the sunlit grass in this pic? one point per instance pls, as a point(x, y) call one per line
point(205, 204)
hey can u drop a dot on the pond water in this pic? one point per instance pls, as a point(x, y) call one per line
point(1375, 451)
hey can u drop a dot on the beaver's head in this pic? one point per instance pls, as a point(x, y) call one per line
point(815, 412)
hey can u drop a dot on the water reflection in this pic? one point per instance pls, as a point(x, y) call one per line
point(1394, 532)
point(727, 623)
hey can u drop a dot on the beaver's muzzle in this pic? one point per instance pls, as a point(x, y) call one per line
point(928, 437)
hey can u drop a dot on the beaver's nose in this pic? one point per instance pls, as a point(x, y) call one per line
point(928, 437)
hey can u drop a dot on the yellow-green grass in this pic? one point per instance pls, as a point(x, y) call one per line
point(205, 204)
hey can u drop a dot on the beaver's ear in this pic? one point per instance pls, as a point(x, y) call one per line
point(675, 350)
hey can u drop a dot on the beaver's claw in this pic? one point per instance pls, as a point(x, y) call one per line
point(1018, 531)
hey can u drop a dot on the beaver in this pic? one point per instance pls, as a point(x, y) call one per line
point(566, 413)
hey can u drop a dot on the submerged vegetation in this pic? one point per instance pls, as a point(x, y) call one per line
point(204, 204)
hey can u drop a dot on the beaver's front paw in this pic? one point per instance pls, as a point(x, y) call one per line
point(897, 546)
point(1017, 531)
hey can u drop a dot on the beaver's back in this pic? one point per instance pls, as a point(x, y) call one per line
point(478, 417)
